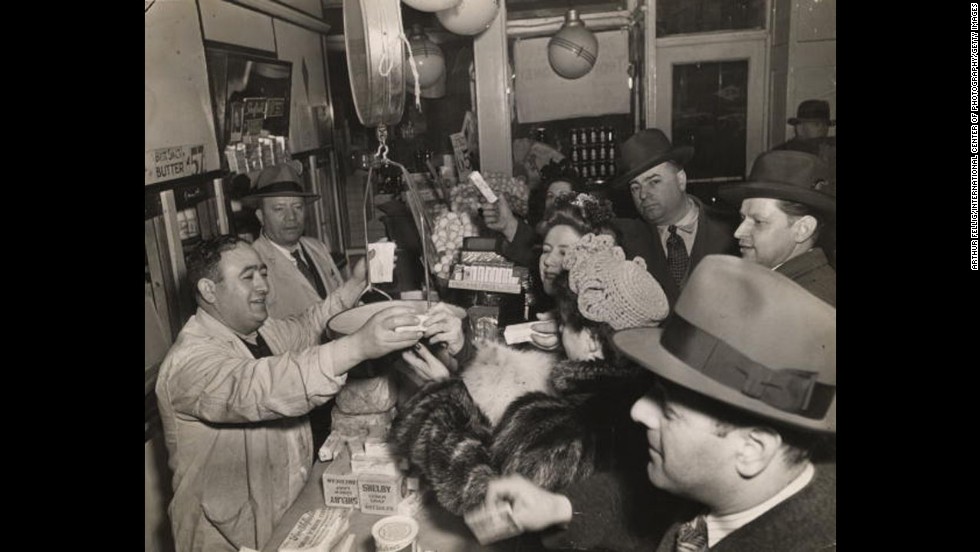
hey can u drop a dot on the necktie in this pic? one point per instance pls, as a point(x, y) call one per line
point(677, 259)
point(309, 274)
point(260, 349)
point(692, 536)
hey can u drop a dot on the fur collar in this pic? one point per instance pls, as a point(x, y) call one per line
point(498, 374)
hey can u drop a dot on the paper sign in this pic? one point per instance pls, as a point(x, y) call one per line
point(175, 162)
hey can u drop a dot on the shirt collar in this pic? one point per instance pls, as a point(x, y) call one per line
point(723, 525)
point(688, 223)
point(211, 322)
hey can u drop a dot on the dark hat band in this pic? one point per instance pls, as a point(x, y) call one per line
point(281, 187)
point(794, 391)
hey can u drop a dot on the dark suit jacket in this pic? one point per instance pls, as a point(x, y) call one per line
point(804, 522)
point(812, 271)
point(715, 235)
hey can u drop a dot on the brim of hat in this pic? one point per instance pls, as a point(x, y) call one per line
point(680, 154)
point(796, 121)
point(255, 199)
point(735, 193)
point(642, 345)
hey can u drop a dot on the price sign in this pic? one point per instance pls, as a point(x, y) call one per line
point(174, 162)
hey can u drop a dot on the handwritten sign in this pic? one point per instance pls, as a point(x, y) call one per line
point(174, 162)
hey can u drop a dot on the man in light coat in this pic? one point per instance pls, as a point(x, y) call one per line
point(301, 270)
point(234, 391)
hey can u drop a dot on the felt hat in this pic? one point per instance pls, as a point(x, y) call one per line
point(748, 337)
point(789, 175)
point(812, 110)
point(644, 150)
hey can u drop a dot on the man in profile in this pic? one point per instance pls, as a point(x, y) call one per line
point(786, 204)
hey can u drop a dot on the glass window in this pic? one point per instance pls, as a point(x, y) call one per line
point(710, 103)
point(702, 16)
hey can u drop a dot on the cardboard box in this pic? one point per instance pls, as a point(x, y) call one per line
point(340, 491)
point(380, 494)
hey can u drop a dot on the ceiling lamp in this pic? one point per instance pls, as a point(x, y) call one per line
point(432, 5)
point(429, 59)
point(573, 50)
point(470, 17)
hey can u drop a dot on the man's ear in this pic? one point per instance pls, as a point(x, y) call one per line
point(205, 287)
point(682, 180)
point(259, 215)
point(757, 448)
point(804, 228)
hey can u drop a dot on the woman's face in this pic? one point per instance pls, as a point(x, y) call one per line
point(556, 189)
point(556, 242)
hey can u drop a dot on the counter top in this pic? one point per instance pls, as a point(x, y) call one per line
point(439, 530)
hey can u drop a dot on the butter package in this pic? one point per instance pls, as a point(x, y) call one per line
point(382, 265)
point(317, 531)
point(380, 494)
point(340, 491)
point(492, 523)
point(481, 184)
point(519, 333)
point(365, 464)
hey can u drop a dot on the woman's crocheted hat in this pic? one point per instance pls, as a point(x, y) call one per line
point(612, 289)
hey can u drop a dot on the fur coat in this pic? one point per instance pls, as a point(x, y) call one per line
point(558, 422)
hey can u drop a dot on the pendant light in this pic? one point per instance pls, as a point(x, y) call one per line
point(470, 17)
point(573, 50)
point(429, 59)
point(432, 5)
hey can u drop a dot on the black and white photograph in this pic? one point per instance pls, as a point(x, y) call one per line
point(508, 275)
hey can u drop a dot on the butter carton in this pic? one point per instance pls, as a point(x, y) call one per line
point(340, 491)
point(380, 494)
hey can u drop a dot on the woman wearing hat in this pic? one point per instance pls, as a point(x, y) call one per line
point(574, 424)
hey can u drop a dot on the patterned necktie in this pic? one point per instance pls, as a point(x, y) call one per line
point(692, 536)
point(677, 259)
point(309, 274)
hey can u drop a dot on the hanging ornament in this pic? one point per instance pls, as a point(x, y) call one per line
point(470, 17)
point(432, 5)
point(429, 60)
point(573, 50)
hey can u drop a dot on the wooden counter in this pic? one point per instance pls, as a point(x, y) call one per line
point(439, 530)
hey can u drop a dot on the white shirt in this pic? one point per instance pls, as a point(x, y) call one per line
point(719, 527)
point(687, 228)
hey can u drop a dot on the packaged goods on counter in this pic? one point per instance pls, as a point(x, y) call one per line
point(317, 531)
point(395, 534)
point(492, 523)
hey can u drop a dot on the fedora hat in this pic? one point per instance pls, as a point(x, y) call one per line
point(280, 180)
point(748, 337)
point(788, 175)
point(647, 149)
point(812, 110)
